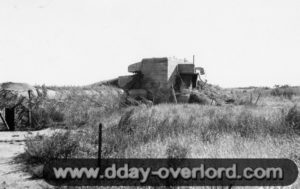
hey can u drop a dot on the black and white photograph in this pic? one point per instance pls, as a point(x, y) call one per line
point(149, 94)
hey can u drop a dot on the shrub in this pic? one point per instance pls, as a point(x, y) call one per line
point(199, 98)
point(249, 126)
point(46, 111)
point(41, 119)
point(74, 106)
point(55, 115)
point(283, 91)
point(208, 136)
point(42, 149)
point(293, 118)
point(176, 150)
point(125, 120)
point(46, 114)
point(86, 107)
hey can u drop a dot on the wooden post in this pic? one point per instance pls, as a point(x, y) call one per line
point(257, 99)
point(99, 145)
point(30, 108)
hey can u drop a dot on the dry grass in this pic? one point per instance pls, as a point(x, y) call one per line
point(204, 125)
point(75, 107)
point(188, 130)
point(41, 149)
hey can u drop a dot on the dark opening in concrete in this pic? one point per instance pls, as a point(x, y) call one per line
point(10, 118)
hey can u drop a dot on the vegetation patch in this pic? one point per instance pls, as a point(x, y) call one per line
point(177, 150)
point(42, 149)
point(284, 91)
point(293, 118)
point(264, 130)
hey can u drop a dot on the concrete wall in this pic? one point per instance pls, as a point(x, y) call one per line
point(154, 73)
point(186, 68)
point(172, 66)
point(136, 67)
point(124, 81)
point(159, 74)
point(176, 66)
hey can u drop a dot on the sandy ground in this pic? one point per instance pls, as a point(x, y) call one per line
point(11, 176)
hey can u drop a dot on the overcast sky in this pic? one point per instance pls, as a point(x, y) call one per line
point(79, 42)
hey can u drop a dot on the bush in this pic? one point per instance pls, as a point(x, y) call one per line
point(86, 107)
point(199, 98)
point(125, 121)
point(176, 150)
point(40, 119)
point(293, 118)
point(46, 111)
point(283, 91)
point(55, 115)
point(42, 149)
point(47, 114)
point(74, 106)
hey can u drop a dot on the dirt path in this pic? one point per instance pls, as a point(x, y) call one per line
point(12, 144)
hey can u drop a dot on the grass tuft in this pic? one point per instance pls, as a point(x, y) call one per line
point(42, 149)
point(293, 118)
point(177, 150)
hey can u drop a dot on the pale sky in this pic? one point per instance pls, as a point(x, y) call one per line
point(79, 42)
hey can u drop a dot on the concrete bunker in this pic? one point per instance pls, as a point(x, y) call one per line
point(161, 79)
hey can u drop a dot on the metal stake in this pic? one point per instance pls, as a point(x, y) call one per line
point(99, 145)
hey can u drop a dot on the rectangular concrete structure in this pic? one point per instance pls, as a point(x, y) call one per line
point(156, 74)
